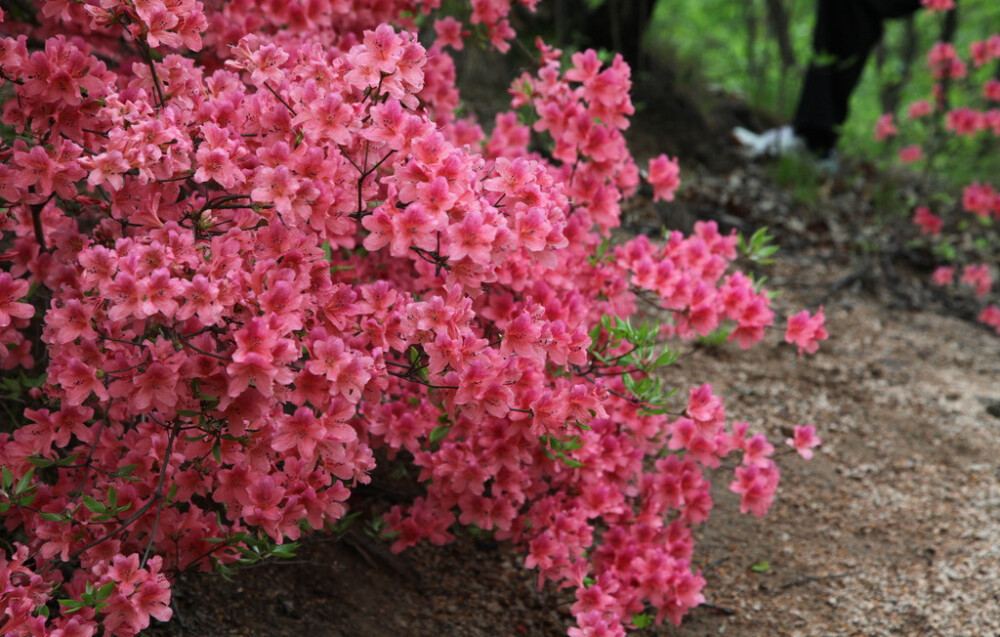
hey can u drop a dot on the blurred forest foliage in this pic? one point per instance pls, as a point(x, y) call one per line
point(759, 50)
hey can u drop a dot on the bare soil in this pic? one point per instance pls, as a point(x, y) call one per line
point(892, 529)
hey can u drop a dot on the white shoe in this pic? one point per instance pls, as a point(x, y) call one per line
point(776, 142)
point(783, 142)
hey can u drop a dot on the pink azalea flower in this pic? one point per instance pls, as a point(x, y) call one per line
point(664, 176)
point(938, 5)
point(920, 108)
point(756, 485)
point(991, 316)
point(943, 275)
point(928, 222)
point(978, 276)
point(806, 331)
point(449, 33)
point(885, 127)
point(804, 440)
point(910, 154)
point(11, 290)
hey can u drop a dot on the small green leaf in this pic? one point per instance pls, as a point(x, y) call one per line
point(104, 592)
point(6, 478)
point(668, 357)
point(438, 433)
point(125, 470)
point(22, 484)
point(760, 566)
point(93, 505)
point(51, 517)
point(642, 620)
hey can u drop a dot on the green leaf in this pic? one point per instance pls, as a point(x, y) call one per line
point(6, 478)
point(760, 566)
point(642, 620)
point(644, 385)
point(51, 517)
point(124, 470)
point(438, 433)
point(68, 460)
point(93, 505)
point(595, 332)
point(570, 462)
point(104, 592)
point(629, 382)
point(22, 484)
point(668, 357)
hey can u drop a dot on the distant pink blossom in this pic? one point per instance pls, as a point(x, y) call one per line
point(910, 154)
point(991, 316)
point(885, 127)
point(804, 440)
point(964, 121)
point(938, 5)
point(979, 199)
point(920, 108)
point(665, 177)
point(929, 222)
point(978, 276)
point(449, 33)
point(943, 275)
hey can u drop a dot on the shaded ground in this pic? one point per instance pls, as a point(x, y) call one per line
point(893, 529)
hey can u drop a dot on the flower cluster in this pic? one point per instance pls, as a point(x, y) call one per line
point(232, 278)
point(976, 118)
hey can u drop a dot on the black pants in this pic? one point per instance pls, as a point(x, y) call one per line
point(846, 32)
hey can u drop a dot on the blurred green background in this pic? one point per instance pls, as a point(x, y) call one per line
point(731, 45)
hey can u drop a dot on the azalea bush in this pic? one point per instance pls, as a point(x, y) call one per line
point(248, 249)
point(959, 121)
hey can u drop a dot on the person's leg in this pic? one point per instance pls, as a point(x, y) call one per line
point(846, 32)
point(895, 8)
